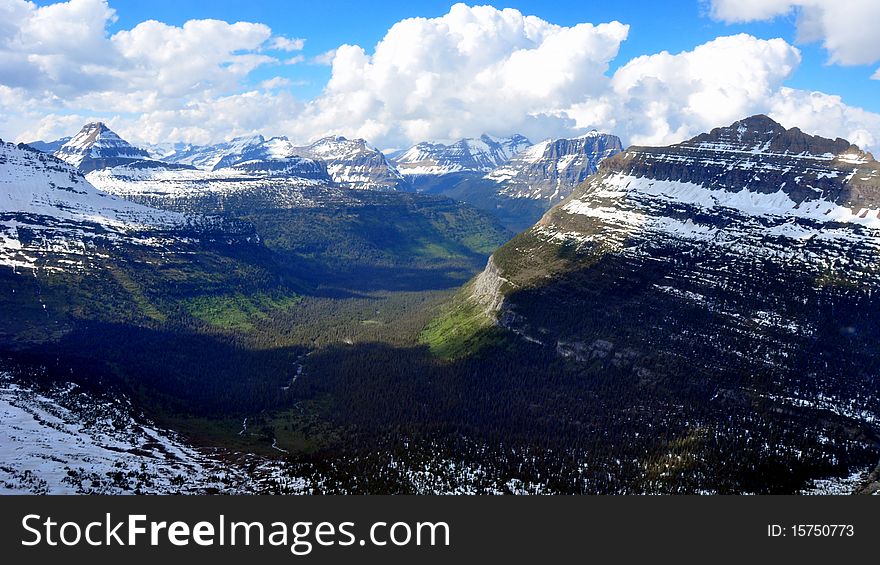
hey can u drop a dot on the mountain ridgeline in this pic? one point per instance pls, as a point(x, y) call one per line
point(507, 177)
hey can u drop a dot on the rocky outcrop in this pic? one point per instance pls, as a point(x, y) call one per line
point(488, 289)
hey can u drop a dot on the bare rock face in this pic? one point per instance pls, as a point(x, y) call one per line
point(550, 170)
point(488, 288)
point(759, 155)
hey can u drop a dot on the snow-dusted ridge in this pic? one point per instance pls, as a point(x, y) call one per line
point(752, 191)
point(775, 204)
point(753, 186)
point(348, 163)
point(292, 183)
point(472, 155)
point(48, 209)
point(64, 440)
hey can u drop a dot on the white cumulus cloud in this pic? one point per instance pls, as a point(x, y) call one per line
point(474, 69)
point(823, 114)
point(846, 28)
point(664, 98)
point(286, 44)
point(59, 59)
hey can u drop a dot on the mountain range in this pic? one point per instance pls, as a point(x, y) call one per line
point(699, 317)
point(507, 177)
point(549, 171)
point(469, 155)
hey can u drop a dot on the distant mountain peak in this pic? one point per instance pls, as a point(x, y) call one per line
point(96, 146)
point(350, 163)
point(760, 133)
point(252, 138)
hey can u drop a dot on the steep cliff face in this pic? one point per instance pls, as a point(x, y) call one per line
point(750, 249)
point(519, 190)
point(550, 170)
point(489, 288)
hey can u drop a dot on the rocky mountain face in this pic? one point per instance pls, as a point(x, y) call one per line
point(754, 192)
point(354, 163)
point(96, 146)
point(467, 155)
point(550, 170)
point(524, 186)
point(741, 264)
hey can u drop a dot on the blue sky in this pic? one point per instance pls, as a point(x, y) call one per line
point(674, 26)
point(191, 80)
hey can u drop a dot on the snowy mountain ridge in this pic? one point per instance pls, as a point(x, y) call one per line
point(49, 211)
point(548, 171)
point(349, 163)
point(97, 146)
point(475, 155)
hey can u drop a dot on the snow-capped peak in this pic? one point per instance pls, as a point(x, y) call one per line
point(96, 146)
point(354, 163)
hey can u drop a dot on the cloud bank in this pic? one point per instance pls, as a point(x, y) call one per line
point(473, 70)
